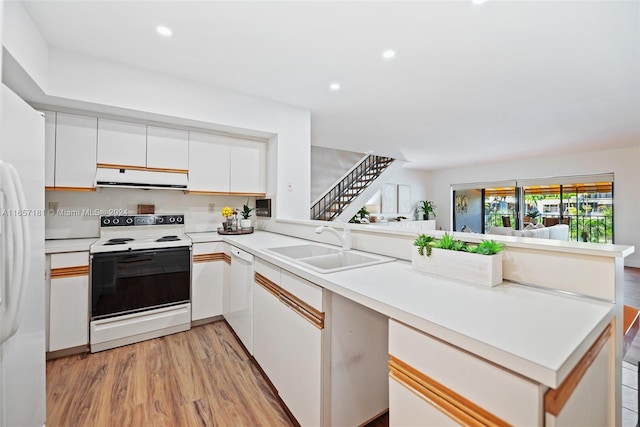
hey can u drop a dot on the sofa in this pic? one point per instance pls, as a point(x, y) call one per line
point(555, 232)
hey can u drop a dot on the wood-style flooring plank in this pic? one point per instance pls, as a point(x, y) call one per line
point(201, 377)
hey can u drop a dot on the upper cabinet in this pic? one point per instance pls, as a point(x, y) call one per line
point(208, 163)
point(138, 146)
point(49, 149)
point(121, 143)
point(75, 152)
point(219, 164)
point(167, 149)
point(248, 166)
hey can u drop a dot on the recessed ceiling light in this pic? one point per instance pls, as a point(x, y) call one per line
point(388, 54)
point(164, 31)
point(334, 87)
point(478, 1)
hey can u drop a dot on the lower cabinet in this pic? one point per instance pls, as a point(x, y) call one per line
point(68, 301)
point(325, 355)
point(434, 383)
point(288, 332)
point(206, 280)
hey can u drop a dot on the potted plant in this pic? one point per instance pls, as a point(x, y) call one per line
point(245, 222)
point(448, 257)
point(427, 207)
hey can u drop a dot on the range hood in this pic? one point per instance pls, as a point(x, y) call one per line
point(133, 178)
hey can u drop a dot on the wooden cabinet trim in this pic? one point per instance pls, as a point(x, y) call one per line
point(455, 406)
point(208, 257)
point(58, 273)
point(225, 193)
point(305, 310)
point(555, 399)
point(226, 258)
point(70, 188)
point(140, 168)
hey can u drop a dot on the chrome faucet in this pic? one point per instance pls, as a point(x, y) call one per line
point(345, 237)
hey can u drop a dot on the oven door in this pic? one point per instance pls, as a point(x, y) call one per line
point(133, 281)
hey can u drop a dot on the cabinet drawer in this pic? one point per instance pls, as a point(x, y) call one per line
point(207, 248)
point(303, 289)
point(268, 270)
point(478, 383)
point(69, 259)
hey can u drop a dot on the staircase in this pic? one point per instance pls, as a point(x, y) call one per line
point(349, 187)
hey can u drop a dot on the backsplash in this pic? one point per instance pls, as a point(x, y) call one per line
point(78, 213)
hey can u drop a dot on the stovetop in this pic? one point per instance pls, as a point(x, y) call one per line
point(136, 232)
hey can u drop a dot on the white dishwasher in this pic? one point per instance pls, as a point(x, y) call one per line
point(237, 296)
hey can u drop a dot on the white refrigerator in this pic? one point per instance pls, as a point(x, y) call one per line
point(22, 264)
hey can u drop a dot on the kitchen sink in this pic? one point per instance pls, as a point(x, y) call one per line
point(325, 259)
point(304, 251)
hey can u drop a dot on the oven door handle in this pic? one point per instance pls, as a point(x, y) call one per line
point(137, 258)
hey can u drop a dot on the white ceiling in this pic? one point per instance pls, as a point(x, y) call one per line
point(469, 83)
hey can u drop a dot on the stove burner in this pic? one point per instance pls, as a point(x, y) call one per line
point(168, 239)
point(114, 243)
point(119, 240)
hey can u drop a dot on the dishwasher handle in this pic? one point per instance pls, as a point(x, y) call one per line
point(239, 253)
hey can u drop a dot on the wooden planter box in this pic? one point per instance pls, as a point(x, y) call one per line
point(479, 269)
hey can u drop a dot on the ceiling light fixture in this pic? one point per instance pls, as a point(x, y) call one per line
point(478, 1)
point(334, 87)
point(164, 31)
point(388, 54)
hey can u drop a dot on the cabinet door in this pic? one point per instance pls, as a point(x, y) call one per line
point(206, 292)
point(122, 143)
point(248, 166)
point(208, 163)
point(75, 150)
point(49, 148)
point(68, 312)
point(206, 288)
point(289, 349)
point(167, 148)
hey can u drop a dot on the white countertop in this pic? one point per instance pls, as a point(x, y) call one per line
point(205, 236)
point(67, 245)
point(539, 334)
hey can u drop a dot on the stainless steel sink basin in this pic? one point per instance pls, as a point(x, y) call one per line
point(325, 259)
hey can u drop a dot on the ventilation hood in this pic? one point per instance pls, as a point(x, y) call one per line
point(133, 178)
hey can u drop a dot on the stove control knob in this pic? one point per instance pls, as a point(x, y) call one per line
point(129, 221)
point(159, 220)
point(179, 219)
point(172, 219)
point(106, 221)
point(116, 220)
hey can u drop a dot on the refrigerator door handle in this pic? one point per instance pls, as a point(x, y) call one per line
point(17, 248)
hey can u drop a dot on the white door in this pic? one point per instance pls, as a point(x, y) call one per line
point(122, 143)
point(238, 297)
point(208, 163)
point(76, 138)
point(167, 148)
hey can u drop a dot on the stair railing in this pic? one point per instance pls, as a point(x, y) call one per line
point(333, 202)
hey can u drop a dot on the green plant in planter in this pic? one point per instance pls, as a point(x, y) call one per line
point(489, 247)
point(246, 211)
point(427, 207)
point(424, 242)
point(448, 242)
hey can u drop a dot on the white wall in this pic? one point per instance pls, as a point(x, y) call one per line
point(624, 163)
point(76, 81)
point(419, 181)
point(327, 166)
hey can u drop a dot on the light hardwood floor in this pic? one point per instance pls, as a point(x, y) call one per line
point(201, 377)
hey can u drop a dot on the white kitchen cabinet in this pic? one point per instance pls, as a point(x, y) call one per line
point(69, 301)
point(167, 149)
point(247, 166)
point(49, 148)
point(206, 282)
point(288, 333)
point(122, 143)
point(208, 163)
point(434, 383)
point(75, 164)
